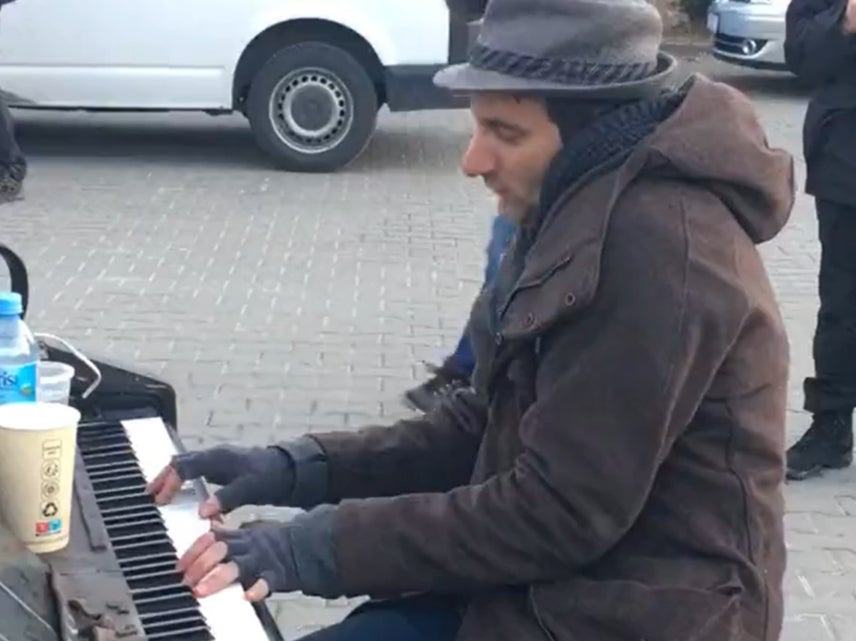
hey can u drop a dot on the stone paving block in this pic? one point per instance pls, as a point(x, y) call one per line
point(810, 628)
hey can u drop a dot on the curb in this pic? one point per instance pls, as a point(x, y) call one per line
point(683, 46)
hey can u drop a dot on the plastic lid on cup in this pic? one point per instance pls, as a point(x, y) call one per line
point(11, 304)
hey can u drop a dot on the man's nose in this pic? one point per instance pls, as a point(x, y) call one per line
point(477, 159)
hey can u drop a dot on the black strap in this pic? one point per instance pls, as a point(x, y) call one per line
point(17, 274)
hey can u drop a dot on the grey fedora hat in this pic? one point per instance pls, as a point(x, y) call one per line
point(595, 49)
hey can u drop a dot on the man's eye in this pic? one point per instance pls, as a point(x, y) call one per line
point(509, 135)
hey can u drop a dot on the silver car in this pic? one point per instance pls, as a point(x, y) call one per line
point(750, 33)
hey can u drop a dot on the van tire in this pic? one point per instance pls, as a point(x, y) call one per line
point(312, 107)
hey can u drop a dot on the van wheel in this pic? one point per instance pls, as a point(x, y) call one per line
point(312, 107)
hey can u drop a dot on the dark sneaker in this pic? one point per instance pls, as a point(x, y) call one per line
point(828, 444)
point(445, 379)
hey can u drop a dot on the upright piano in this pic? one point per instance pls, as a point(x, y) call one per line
point(116, 580)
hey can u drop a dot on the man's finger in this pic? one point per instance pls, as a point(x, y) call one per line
point(210, 508)
point(165, 485)
point(157, 482)
point(235, 494)
point(198, 547)
point(258, 592)
point(205, 563)
point(219, 578)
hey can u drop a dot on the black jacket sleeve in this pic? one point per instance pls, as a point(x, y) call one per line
point(816, 48)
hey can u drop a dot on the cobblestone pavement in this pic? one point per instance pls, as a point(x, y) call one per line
point(279, 303)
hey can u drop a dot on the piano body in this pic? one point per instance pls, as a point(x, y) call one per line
point(116, 579)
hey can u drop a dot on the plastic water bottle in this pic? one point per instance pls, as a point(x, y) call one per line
point(19, 353)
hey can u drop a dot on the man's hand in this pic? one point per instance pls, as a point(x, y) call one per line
point(256, 476)
point(849, 23)
point(260, 559)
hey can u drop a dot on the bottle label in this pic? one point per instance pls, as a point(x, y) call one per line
point(18, 384)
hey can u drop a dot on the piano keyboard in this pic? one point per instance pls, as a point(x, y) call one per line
point(120, 458)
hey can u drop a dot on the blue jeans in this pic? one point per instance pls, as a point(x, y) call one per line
point(421, 618)
point(502, 233)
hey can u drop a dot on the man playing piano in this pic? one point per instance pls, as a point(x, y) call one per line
point(615, 474)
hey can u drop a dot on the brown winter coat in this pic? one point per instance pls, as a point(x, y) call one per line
point(625, 483)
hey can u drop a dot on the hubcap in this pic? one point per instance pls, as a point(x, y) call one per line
point(311, 110)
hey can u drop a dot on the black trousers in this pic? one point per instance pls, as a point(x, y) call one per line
point(13, 165)
point(834, 385)
point(10, 152)
point(419, 618)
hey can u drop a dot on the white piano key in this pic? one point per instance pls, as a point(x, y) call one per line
point(229, 614)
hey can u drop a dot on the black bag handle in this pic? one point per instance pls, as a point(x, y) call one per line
point(18, 275)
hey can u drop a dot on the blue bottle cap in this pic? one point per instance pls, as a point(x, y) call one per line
point(11, 304)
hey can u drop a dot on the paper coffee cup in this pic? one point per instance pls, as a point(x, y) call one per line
point(37, 456)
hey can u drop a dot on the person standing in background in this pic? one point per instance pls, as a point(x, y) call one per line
point(457, 369)
point(455, 372)
point(13, 165)
point(820, 48)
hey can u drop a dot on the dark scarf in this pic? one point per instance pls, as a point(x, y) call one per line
point(604, 143)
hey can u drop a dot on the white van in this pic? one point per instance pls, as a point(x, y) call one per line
point(309, 75)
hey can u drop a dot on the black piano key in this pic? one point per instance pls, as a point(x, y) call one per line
point(89, 436)
point(138, 505)
point(155, 577)
point(111, 471)
point(121, 517)
point(119, 480)
point(139, 528)
point(145, 553)
point(152, 582)
point(119, 493)
point(89, 440)
point(168, 614)
point(99, 461)
point(146, 594)
point(165, 569)
point(102, 449)
point(106, 447)
point(103, 466)
point(159, 622)
point(163, 602)
point(156, 560)
point(146, 517)
point(196, 633)
point(141, 540)
point(149, 520)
